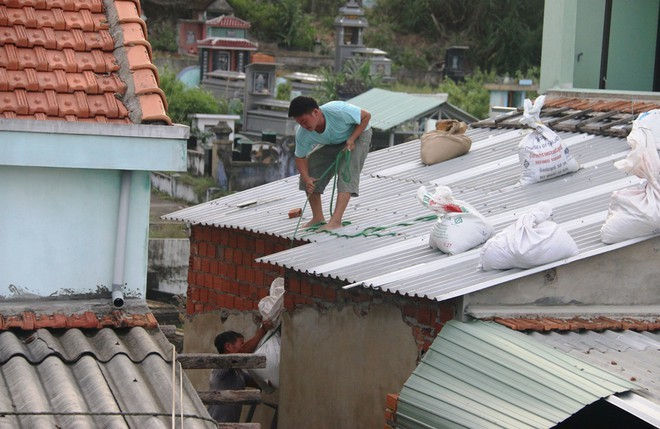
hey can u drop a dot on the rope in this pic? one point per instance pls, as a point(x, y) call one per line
point(343, 156)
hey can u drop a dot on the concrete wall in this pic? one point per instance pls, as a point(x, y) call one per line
point(58, 229)
point(196, 162)
point(588, 43)
point(338, 365)
point(632, 49)
point(558, 49)
point(168, 264)
point(627, 276)
point(169, 184)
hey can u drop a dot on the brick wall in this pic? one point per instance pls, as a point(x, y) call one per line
point(223, 275)
point(222, 272)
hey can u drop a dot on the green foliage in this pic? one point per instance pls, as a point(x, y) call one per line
point(503, 35)
point(183, 101)
point(163, 37)
point(283, 22)
point(284, 91)
point(355, 74)
point(470, 95)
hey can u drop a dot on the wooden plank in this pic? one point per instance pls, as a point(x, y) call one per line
point(230, 397)
point(239, 425)
point(218, 361)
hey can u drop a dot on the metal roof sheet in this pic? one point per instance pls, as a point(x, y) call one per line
point(398, 259)
point(88, 379)
point(481, 374)
point(390, 109)
point(632, 355)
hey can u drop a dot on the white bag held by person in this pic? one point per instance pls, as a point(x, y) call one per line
point(268, 378)
point(635, 211)
point(533, 240)
point(271, 306)
point(460, 227)
point(541, 152)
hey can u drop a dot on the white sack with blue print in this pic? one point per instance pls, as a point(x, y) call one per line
point(542, 154)
point(460, 226)
point(532, 241)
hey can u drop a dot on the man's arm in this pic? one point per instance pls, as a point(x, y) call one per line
point(250, 345)
point(364, 121)
point(302, 164)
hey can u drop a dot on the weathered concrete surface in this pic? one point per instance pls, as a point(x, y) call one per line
point(168, 264)
point(200, 331)
point(337, 366)
point(627, 276)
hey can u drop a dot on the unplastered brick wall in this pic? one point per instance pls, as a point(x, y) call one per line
point(223, 274)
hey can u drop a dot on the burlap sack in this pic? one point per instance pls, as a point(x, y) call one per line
point(446, 142)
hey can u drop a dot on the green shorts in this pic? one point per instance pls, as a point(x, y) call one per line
point(321, 158)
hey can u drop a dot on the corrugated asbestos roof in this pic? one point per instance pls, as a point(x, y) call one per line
point(632, 355)
point(398, 259)
point(108, 378)
point(390, 109)
point(481, 374)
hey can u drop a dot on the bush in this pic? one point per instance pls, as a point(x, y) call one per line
point(183, 101)
point(284, 91)
point(163, 37)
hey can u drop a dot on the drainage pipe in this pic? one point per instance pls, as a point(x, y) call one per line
point(120, 240)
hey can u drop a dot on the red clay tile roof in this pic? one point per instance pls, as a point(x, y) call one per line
point(577, 323)
point(227, 21)
point(77, 60)
point(29, 321)
point(225, 42)
point(599, 105)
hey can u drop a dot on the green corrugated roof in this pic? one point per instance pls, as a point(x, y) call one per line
point(484, 375)
point(389, 109)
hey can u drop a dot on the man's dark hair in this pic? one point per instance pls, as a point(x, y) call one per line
point(227, 337)
point(301, 105)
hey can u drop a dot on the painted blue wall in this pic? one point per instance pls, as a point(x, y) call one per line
point(57, 234)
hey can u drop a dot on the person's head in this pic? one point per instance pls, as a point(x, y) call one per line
point(229, 342)
point(306, 112)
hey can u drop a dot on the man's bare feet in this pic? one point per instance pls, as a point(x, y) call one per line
point(331, 225)
point(313, 222)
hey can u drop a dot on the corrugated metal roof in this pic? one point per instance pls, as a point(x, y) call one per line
point(88, 379)
point(481, 374)
point(632, 355)
point(401, 261)
point(390, 109)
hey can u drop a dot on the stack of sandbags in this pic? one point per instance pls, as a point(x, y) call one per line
point(635, 211)
point(460, 226)
point(447, 141)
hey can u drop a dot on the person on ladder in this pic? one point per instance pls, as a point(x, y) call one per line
point(334, 127)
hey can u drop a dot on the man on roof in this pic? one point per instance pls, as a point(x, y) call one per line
point(324, 132)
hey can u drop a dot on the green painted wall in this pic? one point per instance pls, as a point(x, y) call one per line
point(226, 32)
point(588, 42)
point(558, 49)
point(633, 36)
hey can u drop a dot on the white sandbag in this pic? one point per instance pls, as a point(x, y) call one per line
point(458, 232)
point(460, 227)
point(635, 211)
point(651, 121)
point(268, 378)
point(532, 241)
point(271, 306)
point(541, 153)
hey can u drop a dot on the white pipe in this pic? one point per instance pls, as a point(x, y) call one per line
point(120, 241)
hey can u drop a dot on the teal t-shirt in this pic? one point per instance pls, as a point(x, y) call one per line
point(340, 121)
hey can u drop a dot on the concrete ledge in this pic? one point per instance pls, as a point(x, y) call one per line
point(101, 146)
point(563, 311)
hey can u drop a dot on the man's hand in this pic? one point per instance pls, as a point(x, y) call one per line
point(350, 144)
point(267, 325)
point(309, 184)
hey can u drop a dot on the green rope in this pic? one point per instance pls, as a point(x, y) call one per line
point(344, 156)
